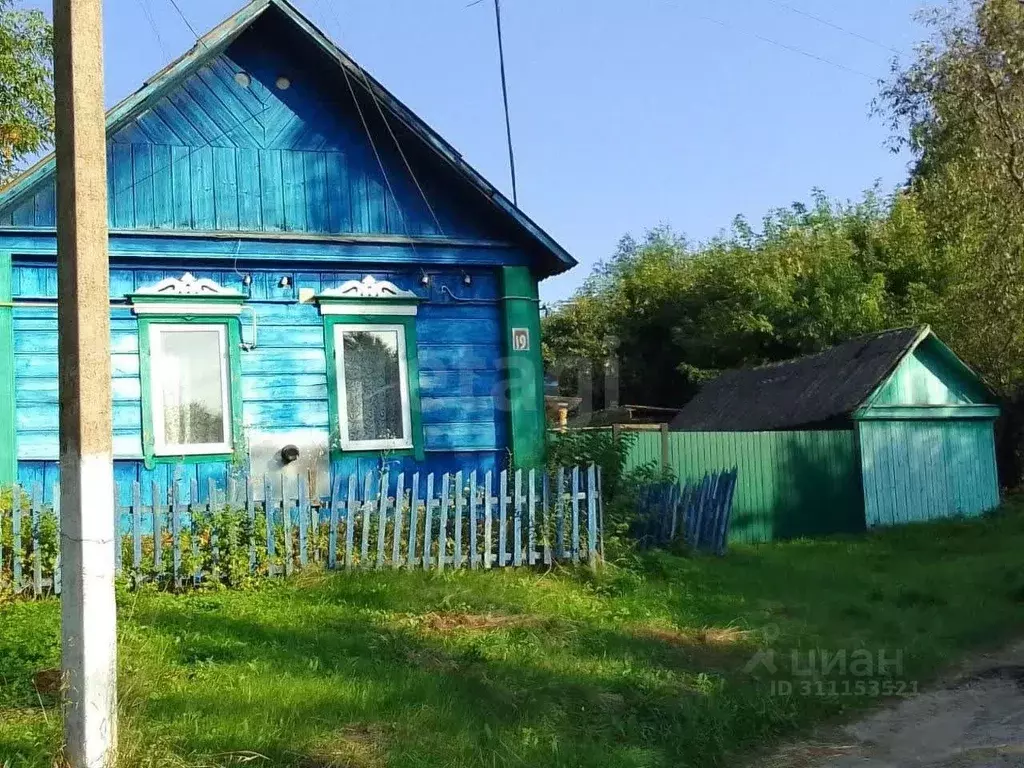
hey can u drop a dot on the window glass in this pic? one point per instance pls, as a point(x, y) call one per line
point(373, 386)
point(190, 383)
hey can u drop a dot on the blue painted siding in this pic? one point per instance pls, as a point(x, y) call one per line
point(927, 470)
point(211, 155)
point(929, 377)
point(284, 380)
point(216, 178)
point(45, 474)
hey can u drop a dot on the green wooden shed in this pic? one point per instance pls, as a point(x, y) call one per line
point(888, 428)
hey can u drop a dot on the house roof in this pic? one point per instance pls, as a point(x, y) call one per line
point(809, 390)
point(220, 37)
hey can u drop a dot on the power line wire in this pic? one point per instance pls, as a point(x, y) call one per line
point(833, 25)
point(148, 13)
point(784, 46)
point(504, 96)
point(373, 144)
point(185, 19)
point(209, 142)
point(376, 153)
point(401, 152)
point(394, 137)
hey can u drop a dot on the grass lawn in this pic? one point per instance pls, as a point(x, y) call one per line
point(640, 667)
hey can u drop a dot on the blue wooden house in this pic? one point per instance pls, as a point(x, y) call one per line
point(303, 274)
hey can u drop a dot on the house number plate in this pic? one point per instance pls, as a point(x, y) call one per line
point(520, 339)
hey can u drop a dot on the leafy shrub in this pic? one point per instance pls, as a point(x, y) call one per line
point(620, 484)
point(584, 447)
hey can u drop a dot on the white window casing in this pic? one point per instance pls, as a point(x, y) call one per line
point(162, 366)
point(405, 441)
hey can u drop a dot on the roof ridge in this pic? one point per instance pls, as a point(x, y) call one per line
point(812, 389)
point(862, 337)
point(222, 35)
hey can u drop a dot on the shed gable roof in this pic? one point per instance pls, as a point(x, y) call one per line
point(191, 124)
point(809, 390)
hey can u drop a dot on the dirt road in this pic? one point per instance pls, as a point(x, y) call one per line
point(973, 719)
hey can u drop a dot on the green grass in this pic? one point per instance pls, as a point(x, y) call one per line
point(640, 667)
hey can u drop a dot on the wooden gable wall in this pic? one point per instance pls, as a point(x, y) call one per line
point(215, 155)
point(928, 376)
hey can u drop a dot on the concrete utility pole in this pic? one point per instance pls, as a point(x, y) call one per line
point(88, 615)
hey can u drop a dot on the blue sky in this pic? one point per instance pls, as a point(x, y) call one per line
point(626, 113)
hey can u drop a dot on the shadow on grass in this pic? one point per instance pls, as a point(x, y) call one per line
point(576, 698)
point(640, 668)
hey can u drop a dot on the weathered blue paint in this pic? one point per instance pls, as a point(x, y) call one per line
point(139, 527)
point(250, 184)
point(284, 380)
point(329, 153)
point(927, 444)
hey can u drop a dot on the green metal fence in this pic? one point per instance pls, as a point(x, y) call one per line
point(790, 484)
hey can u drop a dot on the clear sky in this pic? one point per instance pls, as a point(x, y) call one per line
point(625, 113)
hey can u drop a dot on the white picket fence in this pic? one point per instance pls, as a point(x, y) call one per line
point(455, 521)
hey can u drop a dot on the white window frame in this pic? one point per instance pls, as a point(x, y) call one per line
point(382, 444)
point(160, 445)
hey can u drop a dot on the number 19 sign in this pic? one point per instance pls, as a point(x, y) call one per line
point(520, 339)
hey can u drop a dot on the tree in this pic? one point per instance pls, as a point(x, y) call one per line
point(674, 315)
point(26, 86)
point(959, 107)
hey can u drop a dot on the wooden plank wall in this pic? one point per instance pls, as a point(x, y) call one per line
point(790, 484)
point(284, 380)
point(918, 470)
point(213, 155)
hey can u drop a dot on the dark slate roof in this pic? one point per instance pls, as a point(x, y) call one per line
point(809, 390)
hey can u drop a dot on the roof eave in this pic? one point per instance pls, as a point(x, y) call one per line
point(925, 333)
point(207, 46)
point(221, 36)
point(431, 137)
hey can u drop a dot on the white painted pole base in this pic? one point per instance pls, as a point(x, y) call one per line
point(88, 611)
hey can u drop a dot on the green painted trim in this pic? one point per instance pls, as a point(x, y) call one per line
point(412, 370)
point(234, 341)
point(432, 139)
point(527, 427)
point(145, 384)
point(908, 412)
point(217, 39)
point(209, 46)
point(8, 446)
point(953, 359)
point(923, 333)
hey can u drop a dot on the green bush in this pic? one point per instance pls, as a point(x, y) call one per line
point(621, 483)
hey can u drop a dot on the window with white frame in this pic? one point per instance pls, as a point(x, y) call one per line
point(190, 388)
point(373, 386)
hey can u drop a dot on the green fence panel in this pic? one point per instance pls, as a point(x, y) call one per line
point(790, 484)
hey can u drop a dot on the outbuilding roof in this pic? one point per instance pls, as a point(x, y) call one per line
point(809, 390)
